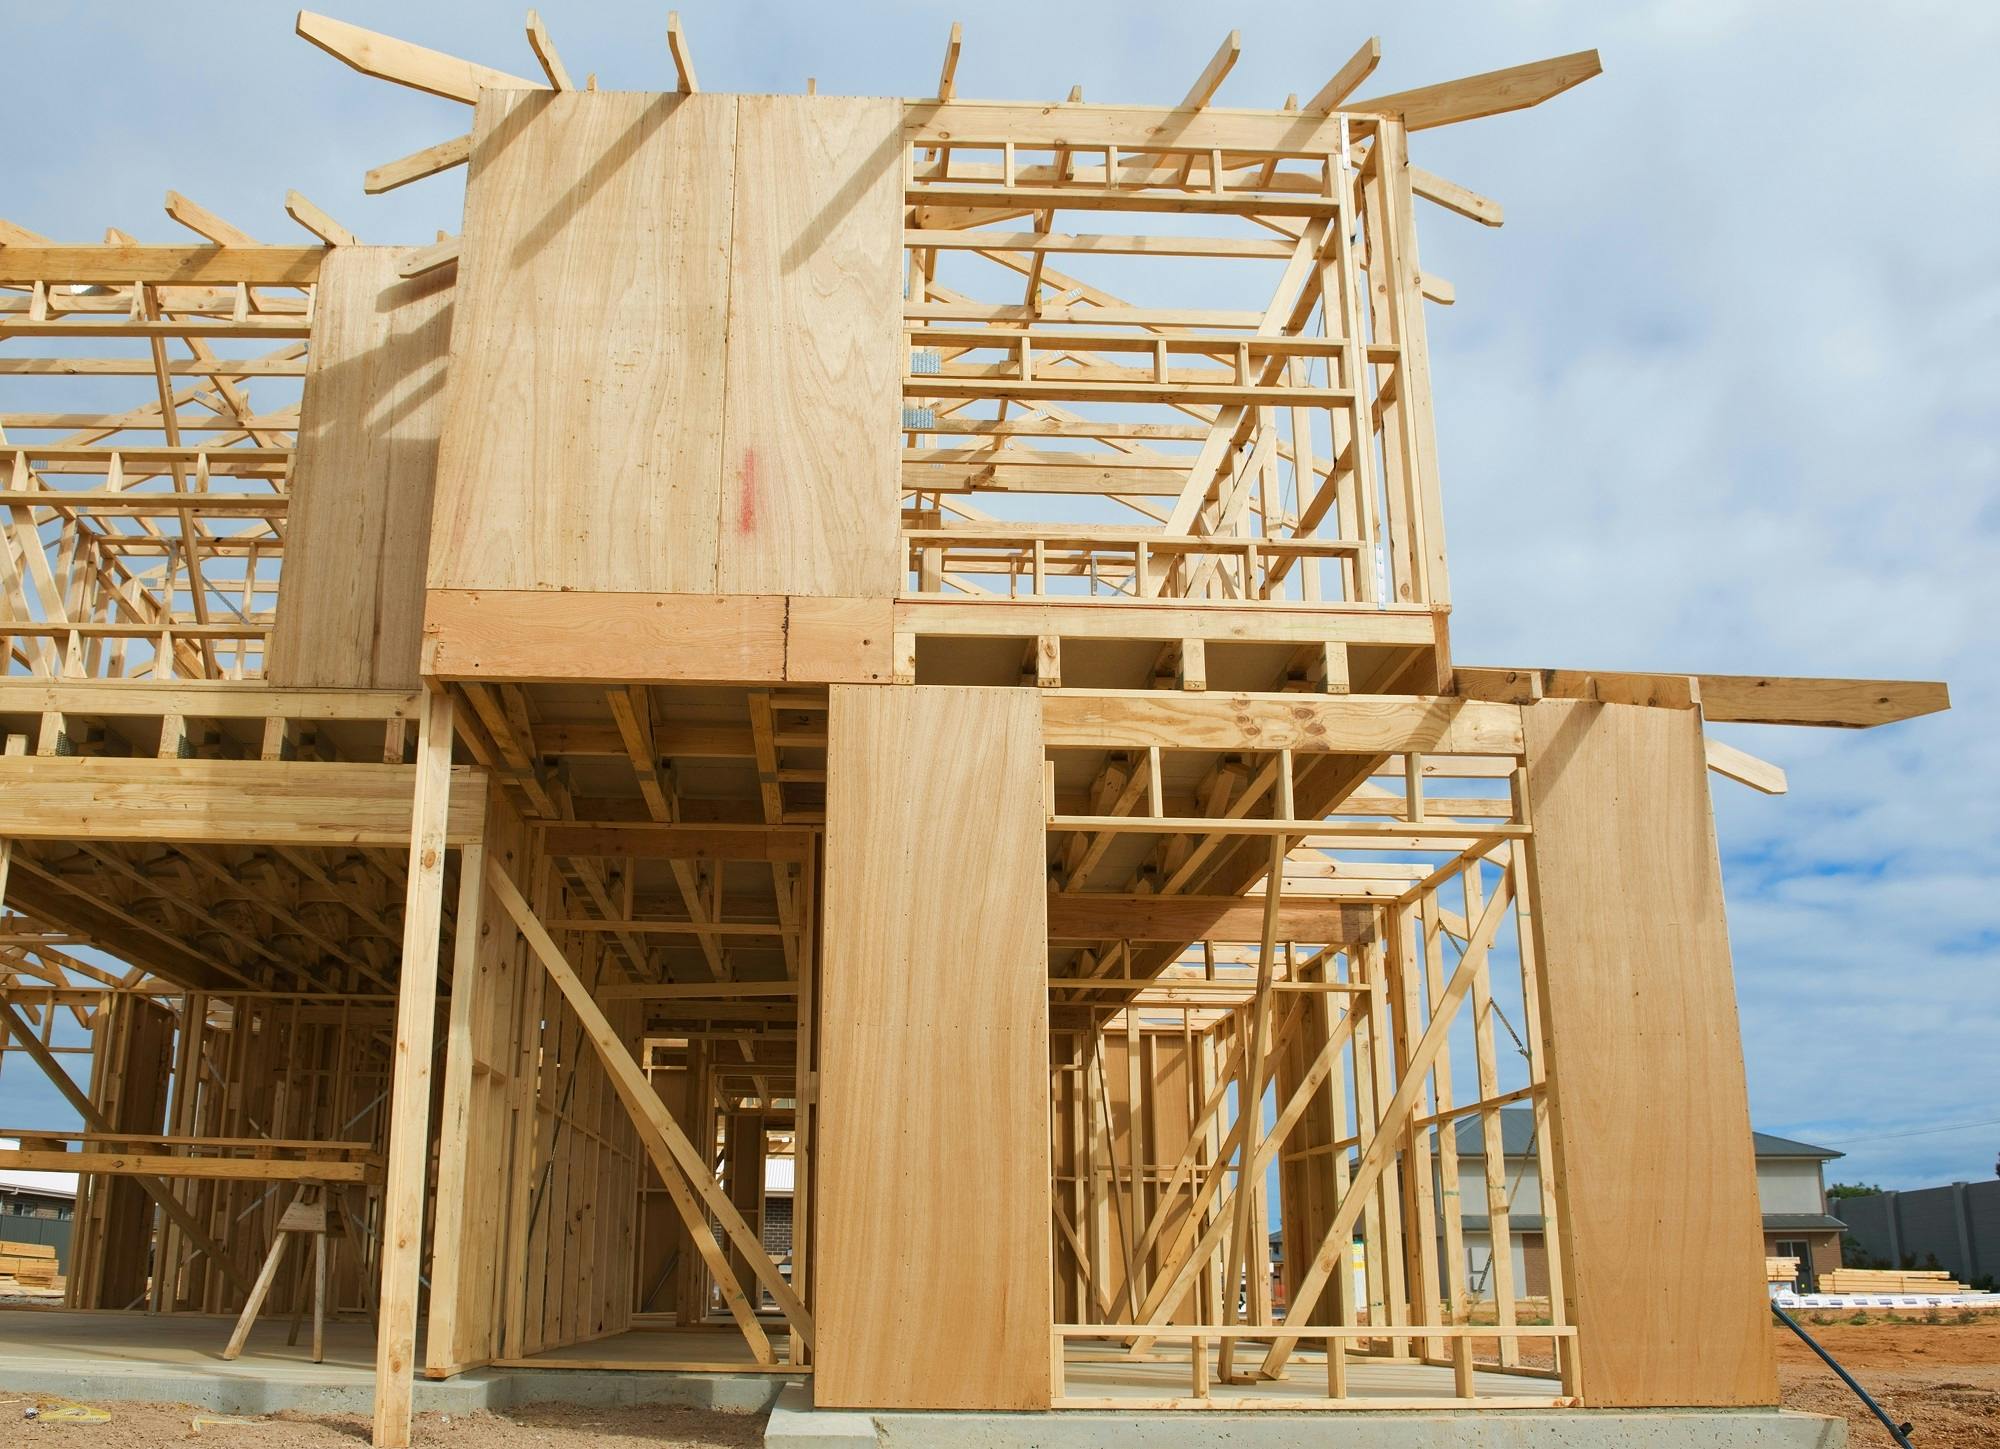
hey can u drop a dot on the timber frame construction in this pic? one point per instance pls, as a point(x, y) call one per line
point(753, 649)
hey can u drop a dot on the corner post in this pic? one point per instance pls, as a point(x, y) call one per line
point(409, 1131)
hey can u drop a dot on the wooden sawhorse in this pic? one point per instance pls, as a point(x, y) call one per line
point(318, 1211)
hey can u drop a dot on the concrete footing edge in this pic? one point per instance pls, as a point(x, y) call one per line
point(795, 1424)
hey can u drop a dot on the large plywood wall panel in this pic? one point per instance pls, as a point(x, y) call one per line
point(583, 433)
point(810, 486)
point(931, 1204)
point(350, 604)
point(1652, 1122)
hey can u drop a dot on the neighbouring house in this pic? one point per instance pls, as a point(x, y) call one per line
point(1791, 1194)
point(777, 1224)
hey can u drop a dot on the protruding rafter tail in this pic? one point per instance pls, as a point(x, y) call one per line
point(203, 222)
point(1215, 72)
point(545, 52)
point(1453, 197)
point(418, 164)
point(1347, 79)
point(387, 58)
point(948, 77)
point(316, 221)
point(1491, 94)
point(683, 64)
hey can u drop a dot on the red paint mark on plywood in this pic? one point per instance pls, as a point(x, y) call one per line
point(746, 507)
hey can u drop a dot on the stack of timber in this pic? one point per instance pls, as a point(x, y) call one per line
point(32, 1265)
point(1781, 1270)
point(1874, 1280)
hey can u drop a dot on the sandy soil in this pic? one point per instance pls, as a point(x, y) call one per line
point(546, 1426)
point(1942, 1379)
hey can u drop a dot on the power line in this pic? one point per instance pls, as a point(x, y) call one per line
point(1927, 1131)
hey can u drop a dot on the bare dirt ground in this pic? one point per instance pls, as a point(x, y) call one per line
point(1943, 1379)
point(545, 1426)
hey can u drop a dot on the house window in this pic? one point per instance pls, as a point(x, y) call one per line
point(1802, 1250)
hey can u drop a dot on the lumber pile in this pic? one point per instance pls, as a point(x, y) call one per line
point(30, 1264)
point(1871, 1280)
point(1781, 1270)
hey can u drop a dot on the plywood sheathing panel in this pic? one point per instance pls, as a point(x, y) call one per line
point(350, 614)
point(583, 432)
point(810, 485)
point(932, 1200)
point(677, 345)
point(1652, 1130)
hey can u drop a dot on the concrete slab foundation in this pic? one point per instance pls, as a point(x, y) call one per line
point(795, 1424)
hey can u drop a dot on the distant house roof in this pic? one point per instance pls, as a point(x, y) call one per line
point(1517, 1133)
point(1517, 1137)
point(43, 1184)
point(1769, 1146)
point(1802, 1223)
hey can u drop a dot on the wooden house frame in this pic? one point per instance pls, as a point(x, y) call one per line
point(744, 649)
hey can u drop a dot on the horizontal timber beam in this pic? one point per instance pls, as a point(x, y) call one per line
point(244, 802)
point(650, 841)
point(550, 636)
point(1081, 916)
point(166, 1164)
point(1843, 703)
point(1311, 724)
point(1164, 620)
point(1722, 698)
point(121, 265)
point(1191, 128)
point(205, 699)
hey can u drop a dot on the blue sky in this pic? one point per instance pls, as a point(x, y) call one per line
point(1721, 395)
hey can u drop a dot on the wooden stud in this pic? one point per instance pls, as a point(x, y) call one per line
point(410, 1091)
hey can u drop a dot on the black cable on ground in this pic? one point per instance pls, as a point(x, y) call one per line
point(1899, 1432)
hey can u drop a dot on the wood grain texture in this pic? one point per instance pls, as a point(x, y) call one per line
point(811, 456)
point(476, 1109)
point(249, 802)
point(1314, 724)
point(1099, 916)
point(583, 432)
point(840, 641)
point(932, 1201)
point(350, 612)
point(599, 636)
point(1652, 1138)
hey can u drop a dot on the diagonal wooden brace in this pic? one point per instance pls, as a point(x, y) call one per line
point(680, 1165)
point(1395, 1117)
